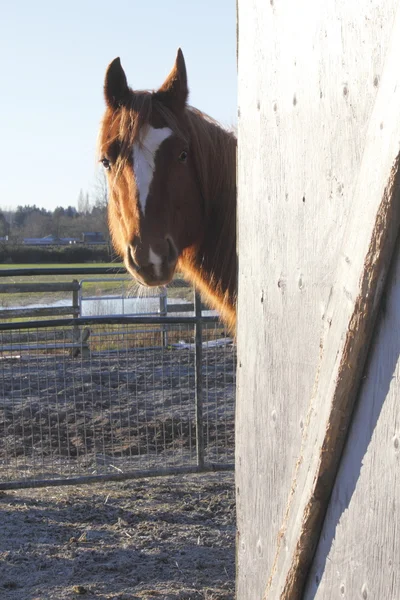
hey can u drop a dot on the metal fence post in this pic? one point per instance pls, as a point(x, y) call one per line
point(163, 313)
point(79, 300)
point(199, 381)
point(76, 312)
point(76, 300)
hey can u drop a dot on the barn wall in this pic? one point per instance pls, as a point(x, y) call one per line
point(359, 551)
point(308, 79)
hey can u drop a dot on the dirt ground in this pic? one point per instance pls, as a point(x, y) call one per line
point(119, 409)
point(157, 538)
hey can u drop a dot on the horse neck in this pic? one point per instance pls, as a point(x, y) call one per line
point(213, 267)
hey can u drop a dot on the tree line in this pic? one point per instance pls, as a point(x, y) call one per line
point(30, 221)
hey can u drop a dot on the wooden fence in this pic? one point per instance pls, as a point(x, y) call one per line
point(73, 339)
point(44, 311)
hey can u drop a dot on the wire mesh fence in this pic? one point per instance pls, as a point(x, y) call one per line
point(109, 398)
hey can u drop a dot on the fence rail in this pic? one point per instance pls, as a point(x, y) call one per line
point(34, 271)
point(124, 405)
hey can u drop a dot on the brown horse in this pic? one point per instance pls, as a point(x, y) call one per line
point(172, 187)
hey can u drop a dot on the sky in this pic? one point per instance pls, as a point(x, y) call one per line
point(53, 57)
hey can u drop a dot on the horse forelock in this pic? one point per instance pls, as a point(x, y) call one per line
point(128, 124)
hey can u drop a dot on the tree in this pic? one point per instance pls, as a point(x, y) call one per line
point(83, 203)
point(38, 225)
point(101, 190)
point(58, 214)
point(4, 225)
point(71, 212)
point(20, 216)
point(25, 215)
point(99, 210)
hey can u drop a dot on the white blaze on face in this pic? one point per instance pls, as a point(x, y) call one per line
point(144, 155)
point(156, 261)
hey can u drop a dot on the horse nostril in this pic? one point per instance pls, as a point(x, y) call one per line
point(131, 258)
point(172, 251)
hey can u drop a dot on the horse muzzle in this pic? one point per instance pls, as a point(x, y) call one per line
point(152, 264)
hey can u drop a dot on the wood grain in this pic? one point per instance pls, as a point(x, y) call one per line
point(358, 555)
point(308, 199)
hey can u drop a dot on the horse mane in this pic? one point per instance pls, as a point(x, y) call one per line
point(212, 264)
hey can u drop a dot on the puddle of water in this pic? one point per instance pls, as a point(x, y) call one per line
point(119, 306)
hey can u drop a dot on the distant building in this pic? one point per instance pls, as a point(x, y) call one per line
point(49, 240)
point(93, 237)
point(90, 237)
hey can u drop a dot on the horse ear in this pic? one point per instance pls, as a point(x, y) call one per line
point(116, 88)
point(174, 91)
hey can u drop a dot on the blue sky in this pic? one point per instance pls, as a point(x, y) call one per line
point(53, 57)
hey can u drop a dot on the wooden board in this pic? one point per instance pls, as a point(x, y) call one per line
point(40, 347)
point(46, 311)
point(308, 82)
point(359, 551)
point(18, 288)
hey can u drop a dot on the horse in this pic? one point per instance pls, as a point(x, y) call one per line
point(171, 173)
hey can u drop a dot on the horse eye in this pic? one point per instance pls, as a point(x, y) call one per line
point(106, 163)
point(183, 156)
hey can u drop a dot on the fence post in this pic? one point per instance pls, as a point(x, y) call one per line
point(199, 381)
point(76, 313)
point(75, 300)
point(163, 313)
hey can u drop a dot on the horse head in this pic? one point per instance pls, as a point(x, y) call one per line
point(156, 208)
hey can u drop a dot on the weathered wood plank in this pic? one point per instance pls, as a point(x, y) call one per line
point(43, 271)
point(41, 347)
point(137, 474)
point(43, 341)
point(44, 311)
point(308, 79)
point(358, 555)
point(343, 352)
point(364, 259)
point(19, 288)
point(35, 335)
